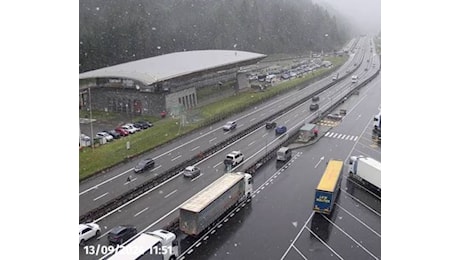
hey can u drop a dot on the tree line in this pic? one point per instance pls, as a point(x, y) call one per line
point(118, 31)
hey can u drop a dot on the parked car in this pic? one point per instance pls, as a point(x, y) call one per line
point(88, 231)
point(130, 128)
point(191, 171)
point(315, 98)
point(280, 130)
point(105, 135)
point(314, 107)
point(120, 234)
point(230, 125)
point(131, 125)
point(122, 131)
point(114, 134)
point(144, 164)
point(145, 124)
point(270, 125)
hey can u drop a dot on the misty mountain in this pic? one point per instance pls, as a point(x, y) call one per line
point(117, 31)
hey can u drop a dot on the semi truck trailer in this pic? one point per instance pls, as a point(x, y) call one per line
point(365, 170)
point(207, 206)
point(328, 187)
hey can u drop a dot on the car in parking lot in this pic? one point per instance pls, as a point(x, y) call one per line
point(120, 234)
point(130, 130)
point(230, 125)
point(270, 124)
point(280, 130)
point(105, 135)
point(144, 165)
point(113, 133)
point(191, 171)
point(88, 231)
point(314, 107)
point(143, 124)
point(122, 131)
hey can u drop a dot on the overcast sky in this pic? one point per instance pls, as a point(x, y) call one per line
point(364, 14)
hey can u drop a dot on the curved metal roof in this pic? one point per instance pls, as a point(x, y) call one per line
point(164, 67)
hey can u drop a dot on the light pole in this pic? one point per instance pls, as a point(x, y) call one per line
point(91, 118)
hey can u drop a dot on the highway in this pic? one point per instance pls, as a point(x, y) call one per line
point(104, 187)
point(159, 206)
point(279, 222)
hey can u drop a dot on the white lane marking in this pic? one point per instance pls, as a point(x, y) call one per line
point(324, 243)
point(320, 159)
point(104, 182)
point(171, 193)
point(287, 121)
point(327, 134)
point(196, 178)
point(335, 135)
point(213, 139)
point(343, 137)
point(354, 240)
point(357, 219)
point(140, 212)
point(356, 138)
point(130, 181)
point(158, 167)
point(263, 114)
point(251, 143)
point(264, 134)
point(252, 119)
point(226, 133)
point(100, 196)
point(360, 202)
point(296, 237)
point(195, 148)
point(172, 160)
point(217, 165)
point(300, 253)
point(340, 135)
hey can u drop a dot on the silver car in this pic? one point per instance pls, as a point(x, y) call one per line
point(192, 171)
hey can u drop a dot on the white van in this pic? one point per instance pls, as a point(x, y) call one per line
point(283, 154)
point(234, 158)
point(354, 79)
point(270, 78)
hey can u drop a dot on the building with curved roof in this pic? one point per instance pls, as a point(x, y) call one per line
point(162, 83)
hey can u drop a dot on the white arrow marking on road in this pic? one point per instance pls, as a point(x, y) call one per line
point(358, 117)
point(320, 159)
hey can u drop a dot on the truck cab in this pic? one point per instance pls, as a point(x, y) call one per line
point(248, 185)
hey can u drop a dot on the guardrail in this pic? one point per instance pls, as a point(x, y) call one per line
point(144, 187)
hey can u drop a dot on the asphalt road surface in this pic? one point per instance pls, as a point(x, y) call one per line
point(159, 206)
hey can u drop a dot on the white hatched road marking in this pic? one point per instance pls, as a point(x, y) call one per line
point(335, 135)
point(343, 137)
point(327, 134)
point(356, 138)
point(340, 135)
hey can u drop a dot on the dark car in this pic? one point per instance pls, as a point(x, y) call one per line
point(120, 234)
point(114, 133)
point(314, 107)
point(144, 164)
point(280, 130)
point(315, 98)
point(142, 124)
point(270, 124)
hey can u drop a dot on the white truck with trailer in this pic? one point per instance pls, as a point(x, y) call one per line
point(365, 170)
point(207, 206)
point(158, 245)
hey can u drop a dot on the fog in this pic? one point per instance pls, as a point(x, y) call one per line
point(363, 15)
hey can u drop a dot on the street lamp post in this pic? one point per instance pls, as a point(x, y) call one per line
point(91, 118)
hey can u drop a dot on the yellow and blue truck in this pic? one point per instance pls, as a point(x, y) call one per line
point(328, 187)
